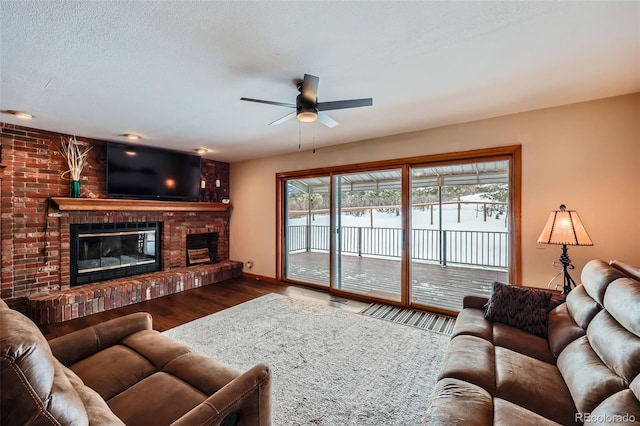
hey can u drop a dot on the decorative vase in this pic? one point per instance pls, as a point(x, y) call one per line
point(74, 189)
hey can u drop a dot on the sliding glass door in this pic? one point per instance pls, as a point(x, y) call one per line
point(306, 230)
point(368, 234)
point(424, 232)
point(459, 231)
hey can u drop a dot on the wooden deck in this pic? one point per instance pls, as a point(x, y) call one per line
point(431, 284)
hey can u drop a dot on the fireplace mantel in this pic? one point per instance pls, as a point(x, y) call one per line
point(113, 204)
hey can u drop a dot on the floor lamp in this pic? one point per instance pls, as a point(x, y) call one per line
point(564, 228)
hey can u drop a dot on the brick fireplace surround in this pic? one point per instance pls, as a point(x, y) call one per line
point(34, 230)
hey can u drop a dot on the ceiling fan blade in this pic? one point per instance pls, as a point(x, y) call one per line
point(283, 119)
point(309, 89)
point(260, 101)
point(351, 103)
point(324, 118)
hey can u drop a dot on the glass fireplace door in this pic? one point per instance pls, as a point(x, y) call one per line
point(104, 251)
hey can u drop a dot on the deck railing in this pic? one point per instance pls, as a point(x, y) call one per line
point(481, 248)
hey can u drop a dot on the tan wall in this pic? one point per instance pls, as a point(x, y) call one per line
point(584, 155)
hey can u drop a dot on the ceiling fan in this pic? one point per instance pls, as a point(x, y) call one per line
point(308, 109)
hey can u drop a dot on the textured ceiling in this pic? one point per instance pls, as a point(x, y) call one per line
point(174, 71)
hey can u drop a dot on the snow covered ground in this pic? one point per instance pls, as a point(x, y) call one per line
point(473, 247)
point(471, 219)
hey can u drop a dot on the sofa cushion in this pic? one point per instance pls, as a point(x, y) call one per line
point(471, 322)
point(581, 306)
point(155, 347)
point(458, 402)
point(201, 372)
point(629, 270)
point(520, 341)
point(97, 409)
point(159, 399)
point(623, 303)
point(471, 359)
point(589, 380)
point(508, 413)
point(596, 277)
point(620, 408)
point(125, 366)
point(562, 329)
point(521, 307)
point(618, 349)
point(534, 385)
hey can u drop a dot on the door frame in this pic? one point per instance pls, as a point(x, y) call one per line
point(512, 153)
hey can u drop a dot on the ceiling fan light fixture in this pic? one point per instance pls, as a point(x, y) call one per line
point(308, 109)
point(307, 115)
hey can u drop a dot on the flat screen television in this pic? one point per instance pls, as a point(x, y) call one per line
point(152, 173)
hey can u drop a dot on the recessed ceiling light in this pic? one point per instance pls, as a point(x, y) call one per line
point(18, 114)
point(132, 136)
point(202, 150)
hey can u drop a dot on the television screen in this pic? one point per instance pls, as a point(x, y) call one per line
point(151, 173)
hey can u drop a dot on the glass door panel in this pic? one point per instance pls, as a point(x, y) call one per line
point(459, 231)
point(367, 233)
point(307, 237)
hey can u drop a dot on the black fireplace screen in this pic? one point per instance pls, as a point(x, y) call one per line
point(113, 250)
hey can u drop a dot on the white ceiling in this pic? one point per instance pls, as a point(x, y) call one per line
point(174, 71)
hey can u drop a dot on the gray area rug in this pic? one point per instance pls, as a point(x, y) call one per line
point(329, 366)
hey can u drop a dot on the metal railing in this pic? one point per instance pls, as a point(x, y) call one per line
point(480, 248)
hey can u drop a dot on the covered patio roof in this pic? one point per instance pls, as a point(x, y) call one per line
point(490, 172)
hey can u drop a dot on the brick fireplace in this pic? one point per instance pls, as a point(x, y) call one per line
point(176, 226)
point(36, 221)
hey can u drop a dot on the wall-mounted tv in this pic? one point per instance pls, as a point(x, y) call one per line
point(152, 173)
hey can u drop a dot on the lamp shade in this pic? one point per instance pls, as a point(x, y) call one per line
point(564, 227)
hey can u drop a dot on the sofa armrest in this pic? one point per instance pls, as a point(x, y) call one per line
point(80, 344)
point(474, 302)
point(244, 401)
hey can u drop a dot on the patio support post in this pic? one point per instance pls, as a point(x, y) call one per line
point(443, 260)
point(444, 249)
point(308, 230)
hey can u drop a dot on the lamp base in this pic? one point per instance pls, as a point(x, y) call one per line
point(566, 265)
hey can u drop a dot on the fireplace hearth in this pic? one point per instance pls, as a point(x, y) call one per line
point(104, 251)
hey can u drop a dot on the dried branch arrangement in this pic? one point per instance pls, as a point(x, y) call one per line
point(76, 156)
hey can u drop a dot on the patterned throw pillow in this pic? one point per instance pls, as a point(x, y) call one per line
point(520, 307)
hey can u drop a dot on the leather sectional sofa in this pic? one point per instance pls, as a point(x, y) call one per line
point(121, 372)
point(586, 369)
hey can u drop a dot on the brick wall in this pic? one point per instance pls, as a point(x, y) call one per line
point(34, 236)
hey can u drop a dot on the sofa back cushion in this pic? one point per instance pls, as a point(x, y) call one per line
point(596, 276)
point(562, 329)
point(581, 306)
point(35, 388)
point(601, 369)
point(629, 270)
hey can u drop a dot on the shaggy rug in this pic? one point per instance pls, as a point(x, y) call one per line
point(329, 366)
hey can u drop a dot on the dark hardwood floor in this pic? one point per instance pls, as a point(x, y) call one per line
point(176, 309)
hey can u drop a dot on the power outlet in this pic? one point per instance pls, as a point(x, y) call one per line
point(249, 264)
